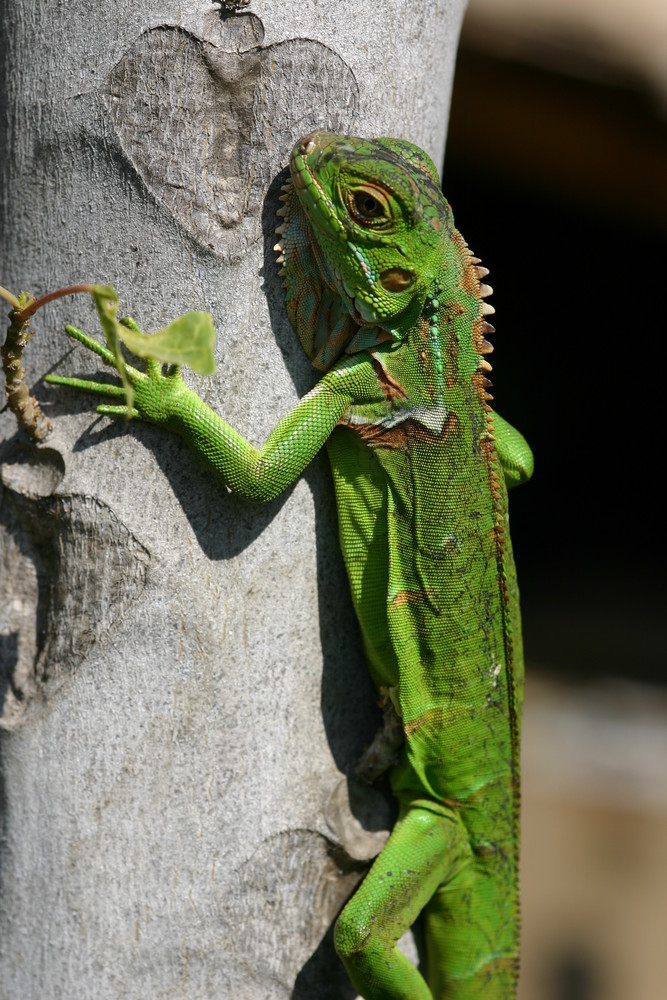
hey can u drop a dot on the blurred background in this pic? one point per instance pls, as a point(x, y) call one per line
point(557, 172)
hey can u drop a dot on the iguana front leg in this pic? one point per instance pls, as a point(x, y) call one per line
point(514, 452)
point(255, 473)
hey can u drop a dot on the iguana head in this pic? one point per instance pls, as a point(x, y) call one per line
point(366, 224)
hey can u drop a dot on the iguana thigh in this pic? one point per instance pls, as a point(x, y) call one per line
point(428, 866)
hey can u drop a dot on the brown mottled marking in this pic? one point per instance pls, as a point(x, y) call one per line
point(480, 796)
point(413, 727)
point(423, 435)
point(404, 597)
point(485, 850)
point(480, 329)
point(497, 964)
point(403, 434)
point(452, 357)
point(441, 715)
point(451, 311)
point(481, 384)
point(377, 436)
point(392, 389)
point(469, 277)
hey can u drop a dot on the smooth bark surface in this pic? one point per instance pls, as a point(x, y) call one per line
point(184, 691)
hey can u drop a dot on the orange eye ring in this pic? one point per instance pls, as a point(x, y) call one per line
point(368, 206)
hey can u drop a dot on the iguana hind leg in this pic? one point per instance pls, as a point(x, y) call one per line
point(425, 851)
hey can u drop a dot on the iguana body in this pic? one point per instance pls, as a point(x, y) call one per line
point(386, 299)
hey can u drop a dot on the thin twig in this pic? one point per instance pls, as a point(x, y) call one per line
point(60, 293)
point(25, 407)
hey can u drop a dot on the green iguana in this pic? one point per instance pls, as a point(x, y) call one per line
point(386, 299)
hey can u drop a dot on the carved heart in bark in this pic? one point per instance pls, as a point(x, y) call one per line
point(208, 122)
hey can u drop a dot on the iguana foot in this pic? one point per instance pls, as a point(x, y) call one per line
point(148, 386)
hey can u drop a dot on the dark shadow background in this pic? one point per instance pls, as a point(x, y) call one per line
point(558, 184)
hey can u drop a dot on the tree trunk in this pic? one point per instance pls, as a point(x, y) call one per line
point(184, 687)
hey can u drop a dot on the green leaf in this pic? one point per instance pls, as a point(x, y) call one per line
point(105, 298)
point(107, 292)
point(187, 341)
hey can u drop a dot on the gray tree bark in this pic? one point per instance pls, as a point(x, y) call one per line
point(184, 691)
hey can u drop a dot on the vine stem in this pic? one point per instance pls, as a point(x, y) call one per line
point(25, 407)
point(60, 293)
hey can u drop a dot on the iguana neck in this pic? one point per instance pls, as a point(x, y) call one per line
point(447, 334)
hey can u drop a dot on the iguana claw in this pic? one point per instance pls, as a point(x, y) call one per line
point(98, 388)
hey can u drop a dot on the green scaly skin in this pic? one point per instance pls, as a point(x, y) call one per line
point(386, 300)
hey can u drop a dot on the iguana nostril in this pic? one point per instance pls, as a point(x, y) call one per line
point(307, 145)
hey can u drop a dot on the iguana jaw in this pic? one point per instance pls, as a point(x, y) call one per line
point(293, 206)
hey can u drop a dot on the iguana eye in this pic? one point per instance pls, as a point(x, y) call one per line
point(368, 206)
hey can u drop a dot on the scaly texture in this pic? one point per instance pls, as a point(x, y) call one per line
point(386, 299)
